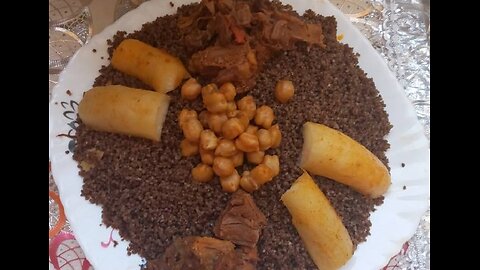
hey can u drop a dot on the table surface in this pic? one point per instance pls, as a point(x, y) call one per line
point(398, 29)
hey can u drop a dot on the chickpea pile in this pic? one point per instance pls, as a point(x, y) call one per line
point(226, 133)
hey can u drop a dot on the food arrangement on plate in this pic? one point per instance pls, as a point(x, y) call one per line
point(235, 135)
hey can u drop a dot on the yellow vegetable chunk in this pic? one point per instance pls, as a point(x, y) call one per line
point(151, 65)
point(124, 110)
point(321, 229)
point(330, 153)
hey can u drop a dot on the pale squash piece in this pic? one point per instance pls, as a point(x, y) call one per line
point(124, 110)
point(330, 153)
point(321, 229)
point(151, 65)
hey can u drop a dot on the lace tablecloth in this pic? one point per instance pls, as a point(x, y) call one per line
point(400, 31)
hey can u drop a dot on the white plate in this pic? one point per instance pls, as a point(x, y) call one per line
point(392, 224)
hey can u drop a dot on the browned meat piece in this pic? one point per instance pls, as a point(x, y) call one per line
point(205, 253)
point(242, 259)
point(241, 221)
point(248, 258)
point(233, 63)
point(222, 25)
point(197, 28)
point(280, 30)
point(197, 253)
point(242, 14)
point(232, 39)
point(224, 6)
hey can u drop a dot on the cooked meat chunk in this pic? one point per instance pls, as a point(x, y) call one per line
point(241, 221)
point(247, 257)
point(215, 31)
point(205, 253)
point(225, 64)
point(244, 258)
point(196, 253)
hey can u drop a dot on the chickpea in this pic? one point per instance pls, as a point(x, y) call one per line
point(226, 148)
point(215, 102)
point(231, 107)
point(276, 135)
point(237, 159)
point(191, 89)
point(273, 162)
point(188, 148)
point(230, 183)
point(261, 174)
point(264, 116)
point(208, 140)
point(184, 115)
point(202, 117)
point(216, 121)
point(208, 89)
point(251, 129)
point(192, 130)
point(247, 142)
point(231, 114)
point(202, 173)
point(242, 116)
point(247, 182)
point(223, 166)
point(284, 91)
point(247, 104)
point(255, 157)
point(206, 156)
point(264, 139)
point(232, 128)
point(228, 89)
point(234, 113)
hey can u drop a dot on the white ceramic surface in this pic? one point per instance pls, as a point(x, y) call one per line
point(393, 223)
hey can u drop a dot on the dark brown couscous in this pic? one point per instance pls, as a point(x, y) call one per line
point(146, 189)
